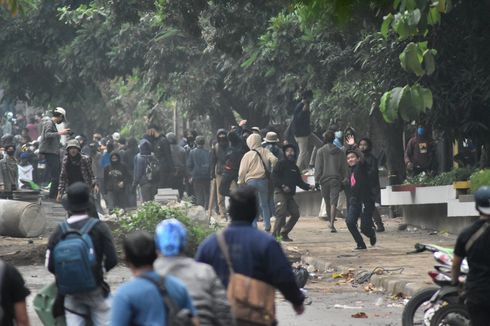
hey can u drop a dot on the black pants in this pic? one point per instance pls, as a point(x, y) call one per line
point(479, 314)
point(354, 213)
point(54, 170)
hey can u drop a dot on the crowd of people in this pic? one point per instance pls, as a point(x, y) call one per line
point(231, 281)
point(259, 170)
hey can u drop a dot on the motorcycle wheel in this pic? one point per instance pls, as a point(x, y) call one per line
point(454, 314)
point(413, 305)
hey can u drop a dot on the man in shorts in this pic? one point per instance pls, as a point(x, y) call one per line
point(330, 175)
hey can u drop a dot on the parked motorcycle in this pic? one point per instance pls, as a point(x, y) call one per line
point(422, 307)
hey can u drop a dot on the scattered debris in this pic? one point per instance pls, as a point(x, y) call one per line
point(359, 315)
point(379, 302)
point(341, 306)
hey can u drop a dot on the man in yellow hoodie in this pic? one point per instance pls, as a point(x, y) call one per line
point(255, 170)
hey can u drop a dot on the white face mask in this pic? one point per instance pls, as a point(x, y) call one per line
point(339, 134)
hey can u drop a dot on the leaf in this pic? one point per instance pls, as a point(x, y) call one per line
point(427, 98)
point(433, 16)
point(250, 61)
point(411, 59)
point(405, 106)
point(444, 6)
point(414, 17)
point(385, 26)
point(401, 27)
point(388, 116)
point(429, 62)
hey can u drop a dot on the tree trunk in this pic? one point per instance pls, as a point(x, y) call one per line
point(392, 136)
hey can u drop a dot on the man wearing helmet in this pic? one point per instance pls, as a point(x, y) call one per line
point(474, 244)
point(50, 147)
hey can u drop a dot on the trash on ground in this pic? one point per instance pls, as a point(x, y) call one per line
point(342, 306)
point(359, 315)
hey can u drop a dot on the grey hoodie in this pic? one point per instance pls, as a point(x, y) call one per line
point(205, 288)
point(330, 164)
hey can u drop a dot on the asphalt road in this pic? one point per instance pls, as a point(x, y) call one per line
point(380, 310)
point(322, 311)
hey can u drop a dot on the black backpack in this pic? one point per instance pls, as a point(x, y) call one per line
point(152, 171)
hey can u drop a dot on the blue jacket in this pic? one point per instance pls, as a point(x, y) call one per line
point(255, 254)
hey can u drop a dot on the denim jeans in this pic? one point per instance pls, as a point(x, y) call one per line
point(262, 187)
point(93, 305)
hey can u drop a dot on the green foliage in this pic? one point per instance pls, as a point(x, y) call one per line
point(479, 179)
point(443, 179)
point(150, 214)
point(418, 59)
point(407, 102)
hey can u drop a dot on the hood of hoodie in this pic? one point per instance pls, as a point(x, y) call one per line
point(234, 139)
point(172, 138)
point(118, 158)
point(220, 132)
point(254, 141)
point(332, 149)
point(145, 147)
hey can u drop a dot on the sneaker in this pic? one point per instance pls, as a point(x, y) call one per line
point(380, 228)
point(360, 248)
point(285, 238)
point(372, 240)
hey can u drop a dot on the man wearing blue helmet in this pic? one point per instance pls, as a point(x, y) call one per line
point(474, 244)
point(205, 288)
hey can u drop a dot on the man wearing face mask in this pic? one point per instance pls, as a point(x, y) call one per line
point(420, 153)
point(50, 147)
point(8, 173)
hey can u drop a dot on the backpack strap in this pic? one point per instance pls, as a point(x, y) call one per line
point(220, 236)
point(87, 227)
point(471, 241)
point(65, 228)
point(160, 284)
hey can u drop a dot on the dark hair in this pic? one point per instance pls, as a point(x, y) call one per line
point(139, 249)
point(156, 127)
point(329, 137)
point(243, 204)
point(307, 95)
point(368, 141)
point(122, 141)
point(352, 151)
point(285, 147)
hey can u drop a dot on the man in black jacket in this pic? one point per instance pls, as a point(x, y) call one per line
point(161, 148)
point(302, 128)
point(357, 192)
point(94, 304)
point(285, 177)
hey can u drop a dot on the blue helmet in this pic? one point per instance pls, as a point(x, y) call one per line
point(482, 200)
point(170, 237)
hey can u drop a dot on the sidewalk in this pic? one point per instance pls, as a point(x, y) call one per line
point(332, 252)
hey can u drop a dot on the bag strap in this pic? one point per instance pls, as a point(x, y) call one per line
point(167, 302)
point(65, 228)
point(471, 241)
point(87, 227)
point(266, 170)
point(225, 250)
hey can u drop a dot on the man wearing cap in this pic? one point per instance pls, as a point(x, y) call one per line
point(50, 147)
point(271, 142)
point(205, 288)
point(94, 304)
point(75, 168)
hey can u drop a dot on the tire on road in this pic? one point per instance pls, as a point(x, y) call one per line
point(455, 308)
point(414, 304)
